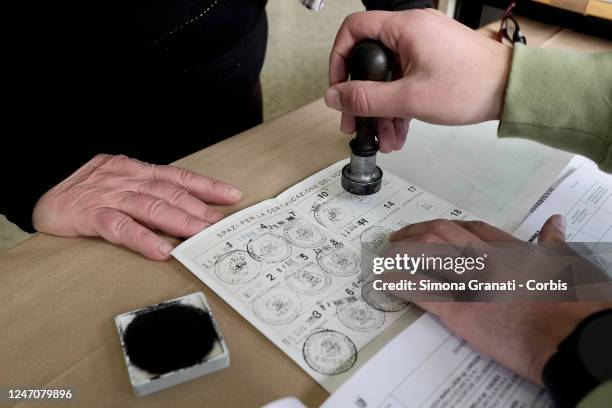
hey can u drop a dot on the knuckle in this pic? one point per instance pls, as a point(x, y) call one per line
point(177, 195)
point(121, 158)
point(118, 160)
point(188, 223)
point(146, 167)
point(185, 176)
point(417, 16)
point(439, 226)
point(358, 99)
point(476, 225)
point(351, 18)
point(101, 157)
point(116, 224)
point(122, 163)
point(429, 238)
point(155, 208)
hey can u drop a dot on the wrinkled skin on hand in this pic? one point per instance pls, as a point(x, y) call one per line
point(124, 200)
point(522, 335)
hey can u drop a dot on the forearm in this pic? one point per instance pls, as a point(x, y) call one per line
point(31, 168)
point(562, 99)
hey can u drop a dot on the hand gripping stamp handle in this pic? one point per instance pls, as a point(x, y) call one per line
point(369, 61)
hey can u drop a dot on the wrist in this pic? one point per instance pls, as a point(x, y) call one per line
point(582, 361)
point(543, 336)
point(501, 71)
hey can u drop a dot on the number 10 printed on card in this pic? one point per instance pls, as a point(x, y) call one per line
point(291, 267)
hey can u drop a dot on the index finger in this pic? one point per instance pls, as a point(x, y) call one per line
point(448, 230)
point(205, 188)
point(487, 232)
point(356, 27)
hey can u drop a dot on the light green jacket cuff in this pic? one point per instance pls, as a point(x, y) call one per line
point(600, 397)
point(562, 99)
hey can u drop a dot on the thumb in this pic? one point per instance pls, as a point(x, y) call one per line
point(553, 230)
point(366, 98)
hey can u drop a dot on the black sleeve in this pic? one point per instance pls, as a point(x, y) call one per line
point(31, 169)
point(394, 5)
point(82, 83)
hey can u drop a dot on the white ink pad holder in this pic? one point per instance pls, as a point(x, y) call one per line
point(169, 366)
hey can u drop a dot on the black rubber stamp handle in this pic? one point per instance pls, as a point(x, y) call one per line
point(369, 60)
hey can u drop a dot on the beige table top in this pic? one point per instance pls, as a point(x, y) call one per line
point(58, 296)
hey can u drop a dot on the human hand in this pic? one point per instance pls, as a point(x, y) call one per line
point(122, 200)
point(520, 335)
point(445, 73)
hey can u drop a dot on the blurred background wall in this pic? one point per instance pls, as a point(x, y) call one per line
point(295, 70)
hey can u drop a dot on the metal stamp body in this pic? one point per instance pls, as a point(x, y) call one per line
point(369, 61)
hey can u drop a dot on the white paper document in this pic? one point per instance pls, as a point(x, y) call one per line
point(584, 197)
point(428, 366)
point(291, 267)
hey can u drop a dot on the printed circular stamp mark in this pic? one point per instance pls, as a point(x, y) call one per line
point(375, 238)
point(304, 235)
point(338, 262)
point(329, 352)
point(355, 199)
point(309, 279)
point(380, 300)
point(277, 307)
point(400, 222)
point(360, 316)
point(269, 248)
point(332, 214)
point(426, 206)
point(236, 267)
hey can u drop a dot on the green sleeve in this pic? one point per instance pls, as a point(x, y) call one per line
point(562, 99)
point(600, 397)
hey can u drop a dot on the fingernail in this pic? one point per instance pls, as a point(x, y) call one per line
point(164, 248)
point(332, 99)
point(559, 222)
point(234, 193)
point(392, 236)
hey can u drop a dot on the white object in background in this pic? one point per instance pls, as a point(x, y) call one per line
point(447, 7)
point(427, 365)
point(144, 383)
point(469, 166)
point(584, 197)
point(316, 5)
point(288, 402)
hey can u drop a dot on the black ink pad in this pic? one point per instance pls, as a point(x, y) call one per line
point(169, 338)
point(170, 343)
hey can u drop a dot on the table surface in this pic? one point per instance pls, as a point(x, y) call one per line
point(58, 296)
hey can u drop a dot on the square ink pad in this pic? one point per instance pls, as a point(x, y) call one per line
point(170, 343)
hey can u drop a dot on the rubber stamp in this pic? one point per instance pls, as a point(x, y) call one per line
point(369, 60)
point(170, 343)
